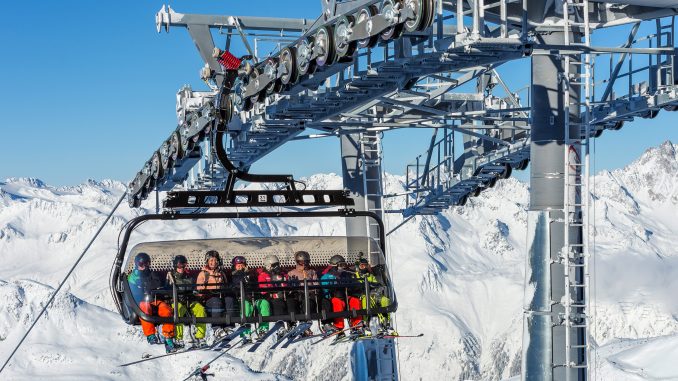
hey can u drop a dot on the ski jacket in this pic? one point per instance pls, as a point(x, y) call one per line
point(265, 277)
point(333, 275)
point(141, 283)
point(370, 277)
point(297, 276)
point(209, 279)
point(243, 276)
point(183, 280)
point(301, 274)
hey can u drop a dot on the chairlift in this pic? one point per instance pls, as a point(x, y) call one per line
point(254, 249)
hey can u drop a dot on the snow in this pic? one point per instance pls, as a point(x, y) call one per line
point(459, 278)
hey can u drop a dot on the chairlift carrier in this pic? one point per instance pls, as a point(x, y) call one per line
point(321, 249)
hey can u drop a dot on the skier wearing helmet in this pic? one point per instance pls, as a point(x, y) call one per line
point(211, 283)
point(301, 272)
point(271, 275)
point(142, 281)
point(183, 279)
point(334, 299)
point(363, 272)
point(241, 274)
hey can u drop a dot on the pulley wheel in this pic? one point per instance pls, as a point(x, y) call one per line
point(507, 171)
point(271, 71)
point(165, 155)
point(323, 42)
point(176, 151)
point(305, 62)
point(429, 6)
point(365, 14)
point(239, 99)
point(288, 61)
point(156, 166)
point(342, 33)
point(390, 10)
point(418, 8)
point(255, 77)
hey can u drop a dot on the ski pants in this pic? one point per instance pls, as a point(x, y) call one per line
point(262, 308)
point(219, 307)
point(378, 301)
point(198, 311)
point(278, 306)
point(161, 309)
point(295, 303)
point(338, 305)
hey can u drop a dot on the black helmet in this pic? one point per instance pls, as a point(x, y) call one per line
point(302, 256)
point(213, 254)
point(237, 260)
point(336, 260)
point(142, 258)
point(178, 259)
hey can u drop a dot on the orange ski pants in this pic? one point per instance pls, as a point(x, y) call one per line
point(339, 304)
point(164, 310)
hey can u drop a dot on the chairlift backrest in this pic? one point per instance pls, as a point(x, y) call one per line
point(321, 249)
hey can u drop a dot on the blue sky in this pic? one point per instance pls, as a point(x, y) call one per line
point(88, 91)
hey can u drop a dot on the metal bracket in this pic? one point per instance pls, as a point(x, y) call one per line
point(256, 198)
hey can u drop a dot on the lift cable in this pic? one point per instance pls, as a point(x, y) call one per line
point(51, 299)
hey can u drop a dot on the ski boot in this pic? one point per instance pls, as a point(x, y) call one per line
point(179, 343)
point(152, 339)
point(169, 345)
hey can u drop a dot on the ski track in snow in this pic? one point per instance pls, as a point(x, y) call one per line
point(459, 278)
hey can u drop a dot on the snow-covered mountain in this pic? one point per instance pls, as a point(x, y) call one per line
point(459, 278)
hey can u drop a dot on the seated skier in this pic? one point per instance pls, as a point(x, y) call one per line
point(241, 274)
point(296, 299)
point(142, 283)
point(334, 299)
point(211, 283)
point(269, 276)
point(363, 272)
point(180, 276)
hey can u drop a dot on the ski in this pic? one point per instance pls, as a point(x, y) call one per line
point(269, 333)
point(202, 371)
point(369, 337)
point(148, 356)
point(291, 333)
point(335, 333)
point(299, 329)
point(222, 342)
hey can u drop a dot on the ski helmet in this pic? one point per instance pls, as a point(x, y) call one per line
point(302, 256)
point(238, 260)
point(142, 258)
point(177, 260)
point(213, 254)
point(271, 262)
point(336, 260)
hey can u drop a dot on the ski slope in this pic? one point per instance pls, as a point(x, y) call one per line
point(459, 278)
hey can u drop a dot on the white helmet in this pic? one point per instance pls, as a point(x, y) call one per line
point(271, 261)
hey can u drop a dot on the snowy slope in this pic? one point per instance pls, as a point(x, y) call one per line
point(459, 278)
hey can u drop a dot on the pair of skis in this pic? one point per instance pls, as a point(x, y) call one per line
point(292, 334)
point(218, 344)
point(361, 336)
